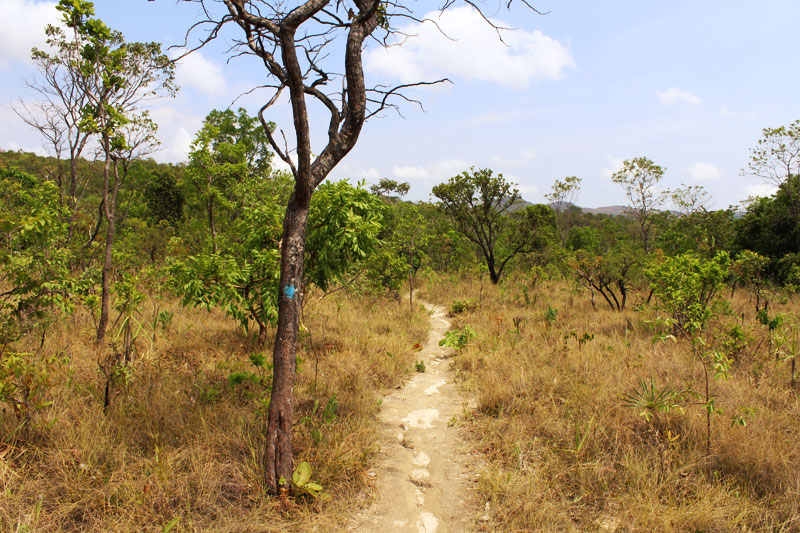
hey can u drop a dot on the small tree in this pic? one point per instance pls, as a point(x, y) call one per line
point(240, 274)
point(390, 189)
point(702, 231)
point(776, 161)
point(690, 199)
point(230, 149)
point(34, 258)
point(686, 286)
point(750, 271)
point(58, 112)
point(562, 198)
point(345, 222)
point(35, 281)
point(478, 204)
point(610, 274)
point(115, 77)
point(414, 235)
point(639, 177)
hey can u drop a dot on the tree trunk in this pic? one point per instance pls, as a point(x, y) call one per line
point(608, 300)
point(411, 291)
point(594, 305)
point(278, 446)
point(411, 272)
point(211, 223)
point(492, 271)
point(73, 193)
point(109, 202)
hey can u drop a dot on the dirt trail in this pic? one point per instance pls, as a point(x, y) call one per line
point(424, 474)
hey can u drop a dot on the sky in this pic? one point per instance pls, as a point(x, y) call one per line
point(576, 91)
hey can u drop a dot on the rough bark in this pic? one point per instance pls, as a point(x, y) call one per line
point(278, 450)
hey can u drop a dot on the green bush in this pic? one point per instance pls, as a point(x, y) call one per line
point(686, 285)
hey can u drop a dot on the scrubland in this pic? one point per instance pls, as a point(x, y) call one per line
point(551, 377)
point(564, 450)
point(178, 448)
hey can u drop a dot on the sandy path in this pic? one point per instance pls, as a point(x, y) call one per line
point(424, 476)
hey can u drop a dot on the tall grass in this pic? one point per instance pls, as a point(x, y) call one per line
point(178, 441)
point(565, 454)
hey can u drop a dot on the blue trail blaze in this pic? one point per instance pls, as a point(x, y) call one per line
point(289, 291)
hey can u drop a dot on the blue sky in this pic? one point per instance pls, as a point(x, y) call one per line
point(688, 84)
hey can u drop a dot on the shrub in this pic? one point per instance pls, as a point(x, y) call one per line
point(686, 285)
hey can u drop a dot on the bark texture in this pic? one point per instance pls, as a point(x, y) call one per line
point(278, 450)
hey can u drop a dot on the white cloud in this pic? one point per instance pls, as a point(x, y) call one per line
point(737, 115)
point(371, 174)
point(528, 189)
point(16, 135)
point(491, 118)
point(410, 172)
point(22, 27)
point(200, 73)
point(704, 171)
point(614, 164)
point(176, 130)
point(525, 156)
point(677, 96)
point(472, 51)
point(439, 171)
point(760, 189)
point(447, 168)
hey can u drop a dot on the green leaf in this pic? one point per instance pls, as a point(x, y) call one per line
point(171, 524)
point(302, 474)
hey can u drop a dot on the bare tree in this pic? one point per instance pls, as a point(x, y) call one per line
point(562, 198)
point(690, 199)
point(295, 45)
point(57, 112)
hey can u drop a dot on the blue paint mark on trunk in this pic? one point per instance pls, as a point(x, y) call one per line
point(289, 291)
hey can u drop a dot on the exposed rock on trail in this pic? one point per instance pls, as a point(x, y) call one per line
point(424, 474)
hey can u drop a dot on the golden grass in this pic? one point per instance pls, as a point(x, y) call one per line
point(564, 453)
point(179, 441)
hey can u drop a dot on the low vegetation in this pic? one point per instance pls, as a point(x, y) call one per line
point(179, 441)
point(589, 422)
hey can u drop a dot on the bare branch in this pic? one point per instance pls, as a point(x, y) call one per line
point(395, 91)
point(283, 154)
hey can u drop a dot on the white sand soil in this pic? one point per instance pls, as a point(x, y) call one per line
point(425, 476)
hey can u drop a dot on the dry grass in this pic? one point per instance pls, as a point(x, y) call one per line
point(179, 441)
point(564, 453)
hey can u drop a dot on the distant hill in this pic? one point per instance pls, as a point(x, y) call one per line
point(613, 210)
point(606, 210)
